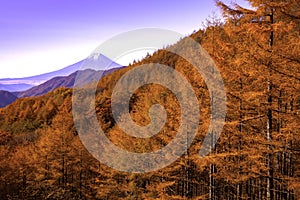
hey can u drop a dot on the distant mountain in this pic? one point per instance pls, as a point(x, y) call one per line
point(15, 87)
point(87, 77)
point(101, 60)
point(92, 68)
point(6, 98)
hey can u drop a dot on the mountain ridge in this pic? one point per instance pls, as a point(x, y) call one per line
point(64, 81)
point(6, 98)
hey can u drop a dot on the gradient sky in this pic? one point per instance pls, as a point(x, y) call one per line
point(38, 36)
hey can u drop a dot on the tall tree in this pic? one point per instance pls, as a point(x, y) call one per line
point(270, 31)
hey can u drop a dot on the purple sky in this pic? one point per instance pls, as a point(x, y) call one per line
point(38, 36)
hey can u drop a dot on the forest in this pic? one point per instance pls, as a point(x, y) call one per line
point(257, 156)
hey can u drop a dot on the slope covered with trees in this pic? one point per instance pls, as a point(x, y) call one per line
point(256, 157)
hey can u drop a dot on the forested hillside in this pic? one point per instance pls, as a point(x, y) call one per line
point(256, 157)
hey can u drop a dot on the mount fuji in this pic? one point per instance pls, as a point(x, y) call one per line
point(21, 84)
point(90, 68)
